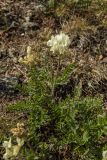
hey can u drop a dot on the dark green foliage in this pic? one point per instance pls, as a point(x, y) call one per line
point(71, 128)
point(75, 124)
point(65, 75)
point(74, 3)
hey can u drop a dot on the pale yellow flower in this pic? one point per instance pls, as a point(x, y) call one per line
point(16, 150)
point(29, 58)
point(8, 154)
point(7, 144)
point(12, 150)
point(8, 147)
point(104, 154)
point(29, 50)
point(20, 141)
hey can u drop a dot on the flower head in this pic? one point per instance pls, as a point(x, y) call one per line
point(29, 50)
point(8, 147)
point(104, 155)
point(59, 43)
point(8, 154)
point(20, 141)
point(16, 150)
point(19, 130)
point(29, 58)
point(7, 144)
point(12, 150)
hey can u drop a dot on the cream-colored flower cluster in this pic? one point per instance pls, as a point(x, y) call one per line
point(59, 43)
point(12, 150)
point(104, 155)
point(29, 58)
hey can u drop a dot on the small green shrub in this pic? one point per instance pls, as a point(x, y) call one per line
point(71, 128)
